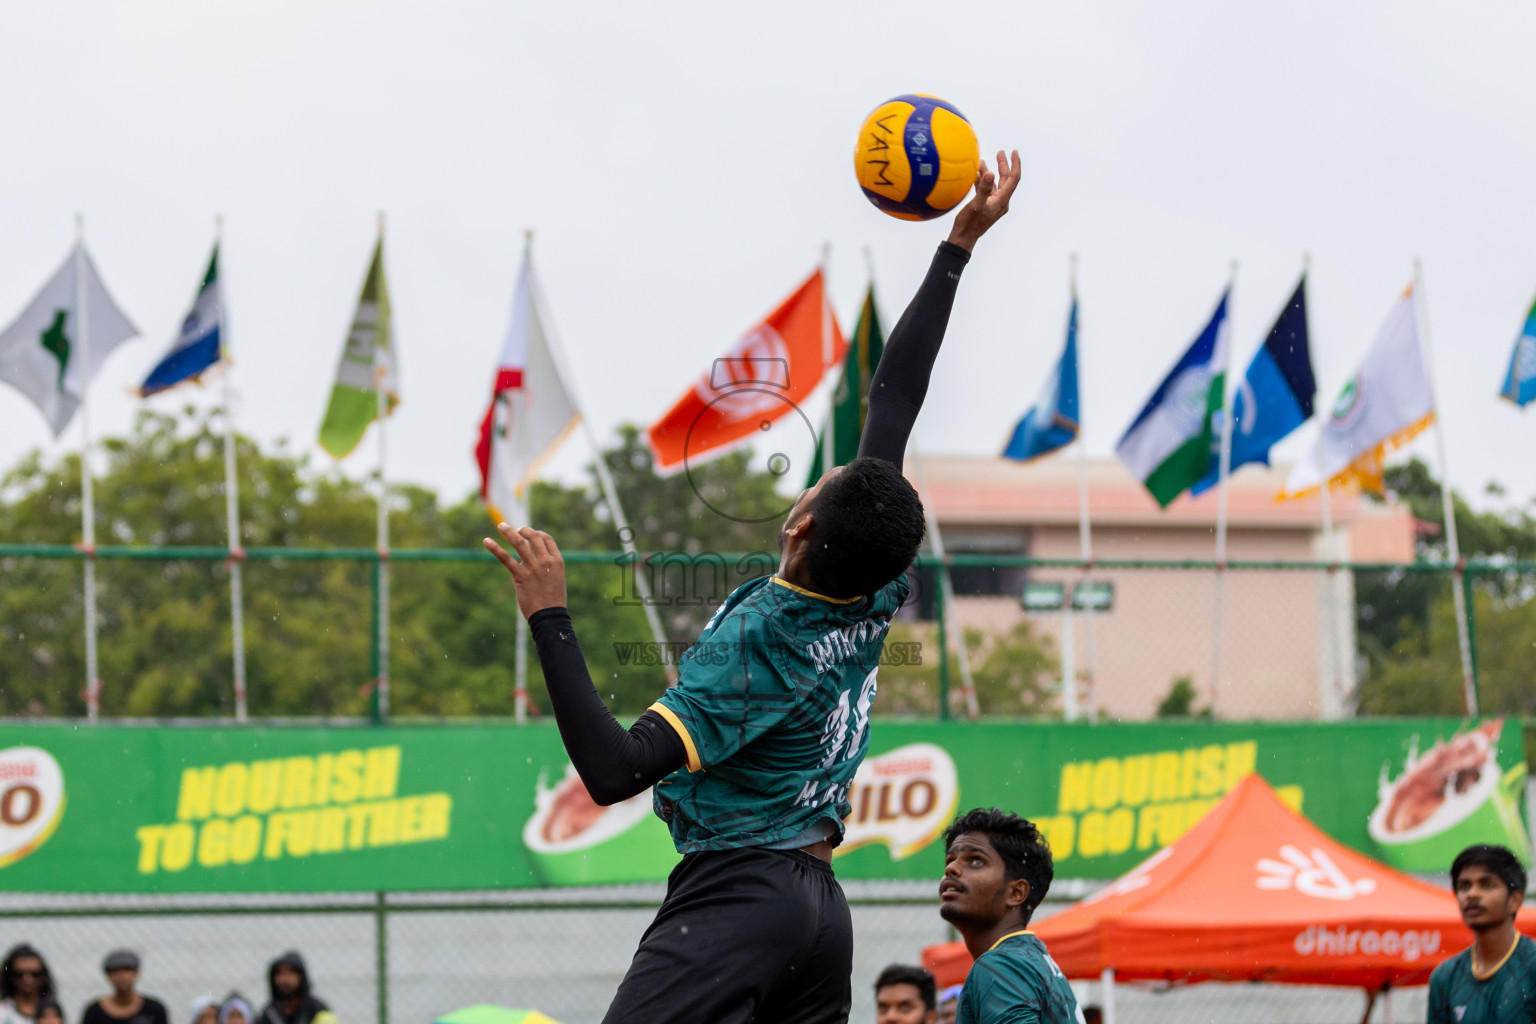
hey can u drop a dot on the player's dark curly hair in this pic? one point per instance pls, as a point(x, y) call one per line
point(1496, 859)
point(8, 972)
point(869, 524)
point(1024, 850)
point(904, 974)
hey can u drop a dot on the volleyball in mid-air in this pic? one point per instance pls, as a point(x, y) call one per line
point(917, 157)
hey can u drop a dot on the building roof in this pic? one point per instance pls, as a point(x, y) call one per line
point(981, 490)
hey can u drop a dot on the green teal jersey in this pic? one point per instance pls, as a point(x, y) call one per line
point(1456, 996)
point(1017, 982)
point(772, 705)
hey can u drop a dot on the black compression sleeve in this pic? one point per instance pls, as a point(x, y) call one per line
point(613, 762)
point(901, 379)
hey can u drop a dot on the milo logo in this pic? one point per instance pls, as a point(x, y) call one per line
point(903, 798)
point(31, 800)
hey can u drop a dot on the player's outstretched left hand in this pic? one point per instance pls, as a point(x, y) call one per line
point(538, 571)
point(990, 202)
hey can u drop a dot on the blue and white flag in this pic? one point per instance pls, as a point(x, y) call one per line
point(1052, 423)
point(1275, 396)
point(200, 344)
point(1520, 379)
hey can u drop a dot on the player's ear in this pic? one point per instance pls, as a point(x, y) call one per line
point(801, 527)
point(1018, 893)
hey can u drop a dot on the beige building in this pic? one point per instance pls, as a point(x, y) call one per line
point(1287, 642)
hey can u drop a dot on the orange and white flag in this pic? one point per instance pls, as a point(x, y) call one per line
point(763, 378)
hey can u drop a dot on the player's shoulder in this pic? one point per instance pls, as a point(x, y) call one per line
point(1447, 970)
point(1019, 957)
point(1012, 975)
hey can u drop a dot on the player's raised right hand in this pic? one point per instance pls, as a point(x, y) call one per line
point(989, 204)
point(538, 571)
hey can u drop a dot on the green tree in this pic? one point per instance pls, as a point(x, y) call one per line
point(1406, 620)
point(1015, 673)
point(164, 624)
point(1179, 701)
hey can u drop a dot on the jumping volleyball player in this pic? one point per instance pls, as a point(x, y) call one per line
point(754, 750)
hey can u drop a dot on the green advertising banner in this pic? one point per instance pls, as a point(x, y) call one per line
point(163, 809)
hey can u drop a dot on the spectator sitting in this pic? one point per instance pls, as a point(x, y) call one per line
point(291, 1001)
point(49, 1011)
point(235, 1010)
point(205, 1010)
point(124, 1005)
point(24, 981)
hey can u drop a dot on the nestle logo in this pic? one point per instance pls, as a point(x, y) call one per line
point(886, 769)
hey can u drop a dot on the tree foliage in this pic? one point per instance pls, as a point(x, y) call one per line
point(1015, 673)
point(165, 645)
point(1406, 620)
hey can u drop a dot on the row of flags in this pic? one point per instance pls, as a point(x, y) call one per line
point(1174, 445)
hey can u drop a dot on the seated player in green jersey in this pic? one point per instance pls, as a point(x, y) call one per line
point(754, 750)
point(997, 869)
point(1494, 979)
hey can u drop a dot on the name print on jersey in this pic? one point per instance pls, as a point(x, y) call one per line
point(838, 646)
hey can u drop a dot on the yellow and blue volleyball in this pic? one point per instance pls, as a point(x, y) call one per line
point(917, 157)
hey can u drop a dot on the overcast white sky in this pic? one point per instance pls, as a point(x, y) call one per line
point(682, 165)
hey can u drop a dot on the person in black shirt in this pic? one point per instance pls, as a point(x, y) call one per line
point(291, 1002)
point(124, 1005)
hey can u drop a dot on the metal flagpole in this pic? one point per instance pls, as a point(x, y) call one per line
point(520, 510)
point(947, 588)
point(1331, 700)
point(828, 436)
point(600, 465)
point(1085, 545)
point(231, 498)
point(87, 483)
point(380, 385)
point(1225, 463)
point(1084, 529)
point(1331, 696)
point(1453, 546)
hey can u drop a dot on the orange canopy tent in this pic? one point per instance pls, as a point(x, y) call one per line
point(1254, 892)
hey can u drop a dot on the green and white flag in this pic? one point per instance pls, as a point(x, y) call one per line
point(850, 398)
point(1171, 444)
point(41, 353)
point(367, 363)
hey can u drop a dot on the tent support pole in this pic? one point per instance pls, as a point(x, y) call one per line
point(1107, 981)
point(1370, 1004)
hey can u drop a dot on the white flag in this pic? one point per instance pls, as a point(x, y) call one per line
point(1386, 402)
point(40, 353)
point(531, 412)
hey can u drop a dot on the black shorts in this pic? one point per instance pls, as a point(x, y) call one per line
point(743, 935)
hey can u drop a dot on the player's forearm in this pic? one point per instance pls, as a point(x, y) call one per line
point(614, 763)
point(900, 383)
